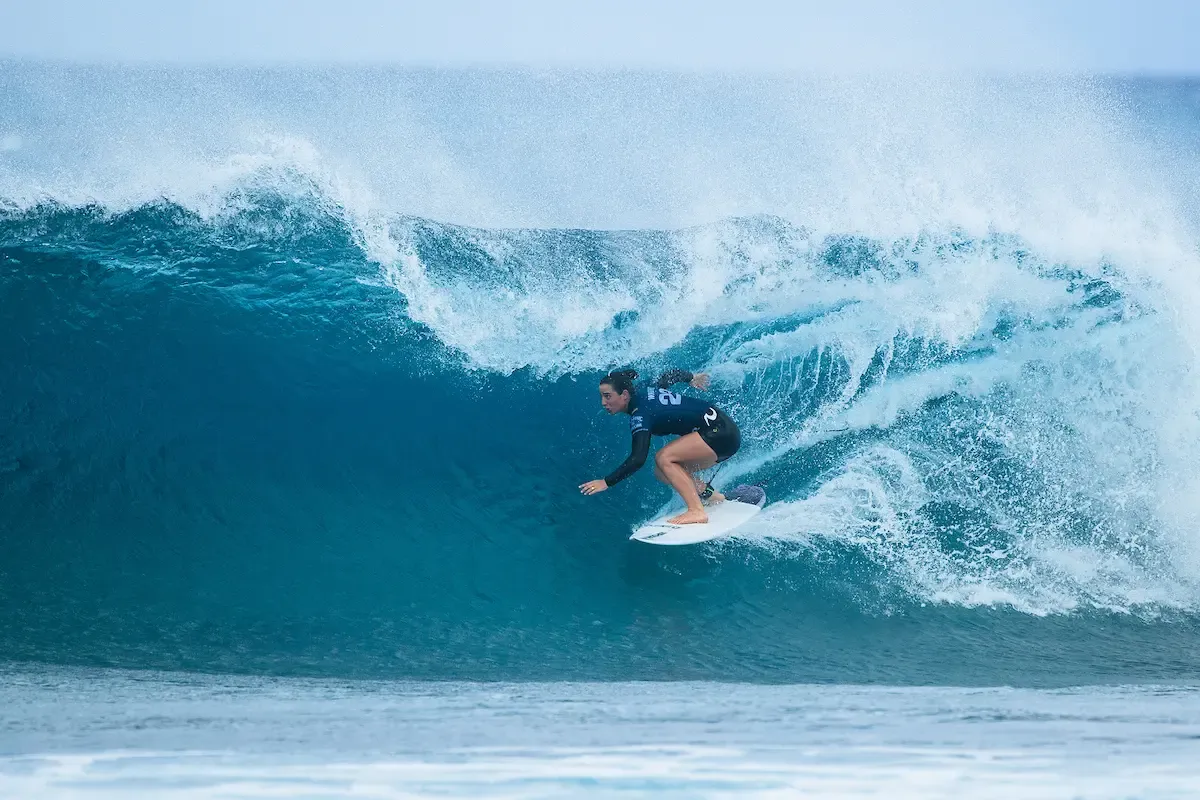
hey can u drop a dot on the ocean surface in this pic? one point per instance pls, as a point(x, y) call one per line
point(298, 376)
point(84, 734)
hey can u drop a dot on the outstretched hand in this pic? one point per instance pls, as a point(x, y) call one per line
point(593, 487)
point(700, 381)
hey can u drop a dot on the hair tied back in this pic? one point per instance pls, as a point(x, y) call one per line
point(621, 380)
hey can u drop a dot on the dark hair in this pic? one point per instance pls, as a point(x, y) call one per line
point(621, 380)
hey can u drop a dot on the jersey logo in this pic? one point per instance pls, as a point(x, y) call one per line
point(667, 397)
point(710, 416)
point(635, 423)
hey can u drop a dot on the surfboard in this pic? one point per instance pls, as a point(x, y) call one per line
point(722, 518)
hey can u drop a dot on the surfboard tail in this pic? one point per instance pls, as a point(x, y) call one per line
point(754, 495)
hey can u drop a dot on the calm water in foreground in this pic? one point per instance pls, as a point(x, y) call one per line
point(108, 734)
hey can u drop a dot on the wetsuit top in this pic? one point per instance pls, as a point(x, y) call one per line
point(655, 410)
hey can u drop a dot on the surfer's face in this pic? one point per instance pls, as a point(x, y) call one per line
point(613, 403)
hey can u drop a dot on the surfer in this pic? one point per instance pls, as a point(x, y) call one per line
point(706, 435)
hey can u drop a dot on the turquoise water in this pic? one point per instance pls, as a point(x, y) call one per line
point(262, 415)
point(299, 379)
point(90, 734)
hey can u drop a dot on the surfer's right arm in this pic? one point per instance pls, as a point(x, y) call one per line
point(637, 457)
point(669, 378)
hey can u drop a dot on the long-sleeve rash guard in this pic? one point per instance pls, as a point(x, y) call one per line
point(654, 410)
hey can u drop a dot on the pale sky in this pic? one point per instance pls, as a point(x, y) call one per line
point(980, 35)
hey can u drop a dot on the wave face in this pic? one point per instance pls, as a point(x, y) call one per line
point(258, 419)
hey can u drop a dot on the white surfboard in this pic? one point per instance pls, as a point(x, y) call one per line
point(722, 518)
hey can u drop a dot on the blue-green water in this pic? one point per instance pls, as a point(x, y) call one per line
point(109, 734)
point(299, 374)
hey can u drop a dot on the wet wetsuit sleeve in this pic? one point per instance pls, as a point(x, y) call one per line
point(637, 457)
point(672, 377)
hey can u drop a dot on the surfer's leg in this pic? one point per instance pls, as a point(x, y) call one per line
point(691, 469)
point(697, 481)
point(677, 461)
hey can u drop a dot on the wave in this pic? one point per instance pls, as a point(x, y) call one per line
point(266, 422)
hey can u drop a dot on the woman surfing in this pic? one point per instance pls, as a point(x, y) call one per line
point(706, 434)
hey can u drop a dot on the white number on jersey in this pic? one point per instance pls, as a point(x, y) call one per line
point(667, 397)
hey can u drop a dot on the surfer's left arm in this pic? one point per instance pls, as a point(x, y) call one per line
point(671, 377)
point(637, 457)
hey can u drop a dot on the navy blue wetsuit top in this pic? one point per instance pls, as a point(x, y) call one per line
point(657, 411)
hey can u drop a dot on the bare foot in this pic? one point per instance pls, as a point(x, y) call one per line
point(689, 518)
point(716, 497)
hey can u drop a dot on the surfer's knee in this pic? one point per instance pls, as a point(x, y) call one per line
point(662, 460)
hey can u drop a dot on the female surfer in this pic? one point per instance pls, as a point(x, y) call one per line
point(706, 434)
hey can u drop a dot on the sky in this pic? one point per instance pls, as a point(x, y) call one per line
point(1138, 36)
